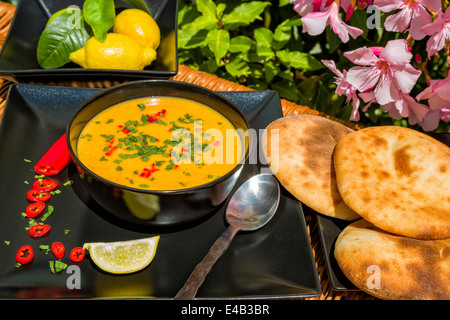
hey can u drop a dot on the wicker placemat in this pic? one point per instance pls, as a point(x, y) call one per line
point(187, 74)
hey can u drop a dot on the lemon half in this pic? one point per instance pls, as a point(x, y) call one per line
point(123, 256)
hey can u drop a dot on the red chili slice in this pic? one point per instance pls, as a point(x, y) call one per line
point(38, 230)
point(77, 254)
point(45, 185)
point(58, 249)
point(34, 209)
point(38, 195)
point(55, 159)
point(24, 254)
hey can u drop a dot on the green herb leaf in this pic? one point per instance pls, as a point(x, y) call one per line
point(207, 8)
point(139, 4)
point(218, 42)
point(100, 15)
point(244, 14)
point(299, 60)
point(65, 34)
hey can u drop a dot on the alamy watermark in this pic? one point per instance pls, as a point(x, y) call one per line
point(373, 18)
point(374, 280)
point(214, 146)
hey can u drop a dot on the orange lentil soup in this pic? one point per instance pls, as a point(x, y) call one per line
point(160, 143)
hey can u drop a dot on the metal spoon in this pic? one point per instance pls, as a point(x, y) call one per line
point(250, 208)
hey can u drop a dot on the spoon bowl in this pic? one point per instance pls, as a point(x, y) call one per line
point(250, 208)
point(253, 205)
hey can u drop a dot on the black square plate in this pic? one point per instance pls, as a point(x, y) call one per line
point(275, 262)
point(330, 228)
point(18, 60)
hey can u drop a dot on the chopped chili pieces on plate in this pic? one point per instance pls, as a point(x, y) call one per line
point(45, 185)
point(58, 249)
point(24, 254)
point(77, 254)
point(38, 230)
point(34, 209)
point(38, 195)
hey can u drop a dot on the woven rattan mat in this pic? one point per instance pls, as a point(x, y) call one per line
point(189, 75)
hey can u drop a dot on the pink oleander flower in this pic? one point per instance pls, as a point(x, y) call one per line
point(386, 74)
point(404, 106)
point(438, 95)
point(303, 7)
point(439, 30)
point(344, 88)
point(361, 4)
point(315, 22)
point(412, 14)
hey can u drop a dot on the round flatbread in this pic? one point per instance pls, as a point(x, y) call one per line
point(389, 266)
point(299, 152)
point(396, 178)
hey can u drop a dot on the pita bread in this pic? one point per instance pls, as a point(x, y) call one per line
point(393, 267)
point(303, 161)
point(398, 179)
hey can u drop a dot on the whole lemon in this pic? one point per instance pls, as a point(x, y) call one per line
point(119, 51)
point(140, 26)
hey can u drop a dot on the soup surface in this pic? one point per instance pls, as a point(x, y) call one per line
point(160, 143)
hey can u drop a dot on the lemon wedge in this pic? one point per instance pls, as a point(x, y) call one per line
point(123, 256)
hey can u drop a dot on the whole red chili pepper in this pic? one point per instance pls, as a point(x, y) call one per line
point(58, 249)
point(45, 184)
point(38, 195)
point(24, 254)
point(77, 254)
point(34, 209)
point(55, 159)
point(38, 230)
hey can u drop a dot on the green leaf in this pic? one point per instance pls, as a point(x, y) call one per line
point(65, 34)
point(207, 8)
point(203, 22)
point(100, 15)
point(299, 60)
point(244, 14)
point(237, 67)
point(271, 70)
point(263, 37)
point(189, 39)
point(287, 90)
point(322, 100)
point(264, 40)
point(186, 14)
point(241, 44)
point(139, 4)
point(333, 40)
point(282, 36)
point(218, 42)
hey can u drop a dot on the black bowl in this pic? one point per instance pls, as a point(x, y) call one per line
point(156, 208)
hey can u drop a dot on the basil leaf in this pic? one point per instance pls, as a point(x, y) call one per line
point(65, 34)
point(218, 42)
point(139, 4)
point(100, 15)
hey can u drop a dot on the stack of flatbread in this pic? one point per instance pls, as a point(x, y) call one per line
point(396, 179)
point(299, 150)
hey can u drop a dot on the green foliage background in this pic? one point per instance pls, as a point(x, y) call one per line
point(260, 44)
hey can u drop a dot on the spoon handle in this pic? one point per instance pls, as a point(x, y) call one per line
point(200, 272)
